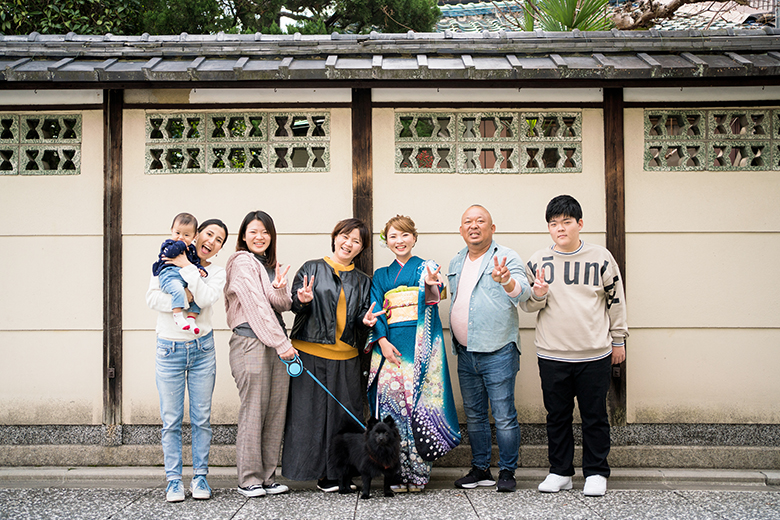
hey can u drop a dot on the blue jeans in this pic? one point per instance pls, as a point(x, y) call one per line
point(172, 283)
point(490, 376)
point(193, 363)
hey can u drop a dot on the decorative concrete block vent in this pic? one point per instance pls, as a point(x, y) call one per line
point(40, 144)
point(715, 140)
point(488, 142)
point(237, 142)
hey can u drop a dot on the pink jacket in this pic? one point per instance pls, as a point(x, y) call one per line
point(251, 298)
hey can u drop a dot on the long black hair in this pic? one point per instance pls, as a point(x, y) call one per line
point(268, 222)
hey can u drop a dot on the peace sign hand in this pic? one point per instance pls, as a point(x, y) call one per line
point(305, 293)
point(500, 272)
point(281, 277)
point(540, 286)
point(433, 278)
point(369, 320)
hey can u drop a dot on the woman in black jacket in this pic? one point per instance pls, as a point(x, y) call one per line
point(331, 304)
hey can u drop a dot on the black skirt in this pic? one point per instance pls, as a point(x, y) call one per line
point(314, 417)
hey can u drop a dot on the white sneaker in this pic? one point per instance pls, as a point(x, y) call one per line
point(554, 483)
point(275, 489)
point(595, 486)
point(255, 490)
point(175, 491)
point(199, 488)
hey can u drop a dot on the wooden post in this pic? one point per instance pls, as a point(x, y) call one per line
point(362, 170)
point(113, 105)
point(614, 171)
point(363, 200)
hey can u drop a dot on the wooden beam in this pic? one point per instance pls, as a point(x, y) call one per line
point(113, 101)
point(362, 171)
point(614, 172)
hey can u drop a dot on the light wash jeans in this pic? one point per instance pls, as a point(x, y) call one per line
point(490, 376)
point(193, 363)
point(172, 283)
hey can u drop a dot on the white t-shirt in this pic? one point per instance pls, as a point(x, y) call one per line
point(459, 315)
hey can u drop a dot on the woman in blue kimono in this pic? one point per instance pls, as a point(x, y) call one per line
point(409, 379)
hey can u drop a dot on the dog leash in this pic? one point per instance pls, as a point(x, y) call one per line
point(295, 368)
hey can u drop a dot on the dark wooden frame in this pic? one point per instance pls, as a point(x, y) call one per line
point(614, 184)
point(113, 101)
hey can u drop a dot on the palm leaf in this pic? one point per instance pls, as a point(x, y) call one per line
point(566, 15)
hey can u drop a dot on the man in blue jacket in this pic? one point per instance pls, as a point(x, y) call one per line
point(487, 282)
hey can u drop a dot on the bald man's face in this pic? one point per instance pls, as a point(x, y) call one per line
point(477, 228)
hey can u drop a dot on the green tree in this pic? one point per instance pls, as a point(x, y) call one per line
point(210, 16)
point(250, 16)
point(64, 16)
point(355, 16)
point(178, 16)
point(391, 16)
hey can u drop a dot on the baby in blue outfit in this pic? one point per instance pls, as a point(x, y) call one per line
point(183, 233)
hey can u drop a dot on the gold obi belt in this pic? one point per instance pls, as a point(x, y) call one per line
point(401, 304)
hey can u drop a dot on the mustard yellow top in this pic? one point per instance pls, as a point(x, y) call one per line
point(340, 350)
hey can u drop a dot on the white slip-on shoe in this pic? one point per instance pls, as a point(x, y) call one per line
point(595, 486)
point(554, 483)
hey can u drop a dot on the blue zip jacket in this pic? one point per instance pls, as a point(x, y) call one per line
point(171, 249)
point(493, 321)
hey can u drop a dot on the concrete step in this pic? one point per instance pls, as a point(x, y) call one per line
point(530, 456)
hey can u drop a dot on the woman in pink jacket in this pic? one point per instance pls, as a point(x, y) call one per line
point(256, 293)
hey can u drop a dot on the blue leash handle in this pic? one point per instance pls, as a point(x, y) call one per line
point(295, 368)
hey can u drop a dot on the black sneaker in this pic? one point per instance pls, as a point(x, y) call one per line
point(255, 490)
point(506, 481)
point(475, 477)
point(275, 489)
point(328, 486)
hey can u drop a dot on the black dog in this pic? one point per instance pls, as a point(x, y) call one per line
point(371, 453)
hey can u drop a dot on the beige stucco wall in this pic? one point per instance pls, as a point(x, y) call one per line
point(704, 310)
point(704, 333)
point(51, 317)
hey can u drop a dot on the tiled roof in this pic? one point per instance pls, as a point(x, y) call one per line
point(502, 55)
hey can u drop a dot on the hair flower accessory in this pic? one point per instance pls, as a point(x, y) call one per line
point(383, 239)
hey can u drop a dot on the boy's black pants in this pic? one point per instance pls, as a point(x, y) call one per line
point(589, 383)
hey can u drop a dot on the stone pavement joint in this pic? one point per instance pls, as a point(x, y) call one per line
point(151, 476)
point(138, 493)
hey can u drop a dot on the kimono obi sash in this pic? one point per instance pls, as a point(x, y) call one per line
point(401, 304)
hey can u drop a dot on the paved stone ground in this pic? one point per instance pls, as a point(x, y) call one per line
point(138, 494)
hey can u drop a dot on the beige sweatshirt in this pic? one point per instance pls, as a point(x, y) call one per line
point(584, 311)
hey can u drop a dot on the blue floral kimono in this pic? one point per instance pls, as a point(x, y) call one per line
point(418, 394)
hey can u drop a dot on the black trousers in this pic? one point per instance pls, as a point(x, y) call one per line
point(589, 383)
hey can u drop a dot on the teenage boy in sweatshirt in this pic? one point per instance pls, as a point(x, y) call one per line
point(580, 333)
